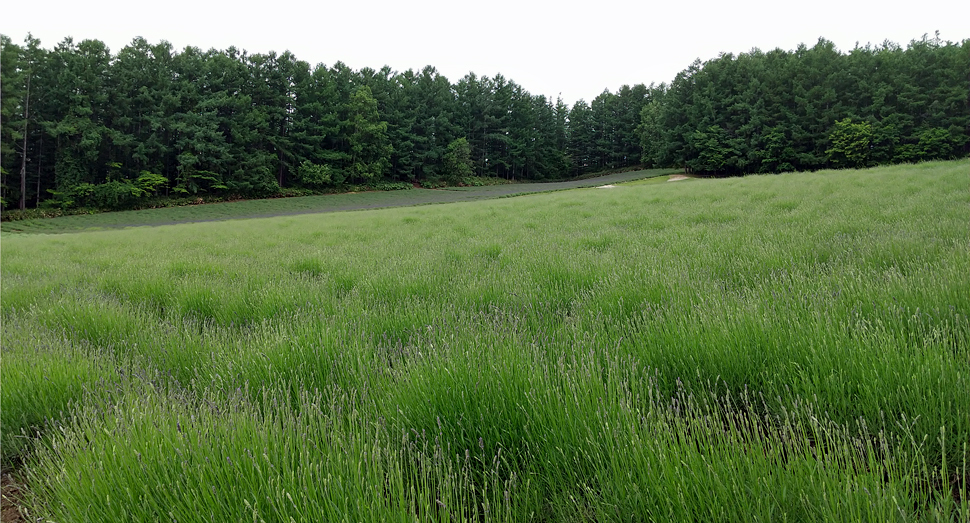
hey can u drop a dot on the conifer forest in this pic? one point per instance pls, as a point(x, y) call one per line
point(86, 127)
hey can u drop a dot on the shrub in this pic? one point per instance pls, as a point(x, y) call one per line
point(319, 176)
point(392, 186)
point(850, 143)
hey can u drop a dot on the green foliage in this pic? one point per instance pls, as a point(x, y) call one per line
point(777, 153)
point(369, 146)
point(457, 161)
point(70, 197)
point(717, 151)
point(935, 144)
point(650, 130)
point(13, 71)
point(774, 111)
point(149, 183)
point(392, 186)
point(113, 171)
point(433, 183)
point(851, 143)
point(195, 182)
point(115, 195)
point(319, 176)
point(111, 195)
point(480, 181)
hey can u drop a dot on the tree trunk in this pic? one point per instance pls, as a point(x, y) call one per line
point(23, 153)
point(40, 152)
point(279, 156)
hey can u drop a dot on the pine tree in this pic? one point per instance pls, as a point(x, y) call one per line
point(370, 150)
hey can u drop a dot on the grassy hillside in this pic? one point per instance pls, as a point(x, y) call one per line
point(768, 348)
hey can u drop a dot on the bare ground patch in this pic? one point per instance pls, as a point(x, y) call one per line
point(11, 494)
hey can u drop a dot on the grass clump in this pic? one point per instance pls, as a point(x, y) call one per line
point(44, 376)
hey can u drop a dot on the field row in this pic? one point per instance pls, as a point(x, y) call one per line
point(351, 201)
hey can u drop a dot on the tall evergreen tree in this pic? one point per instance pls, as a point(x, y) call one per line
point(370, 150)
point(13, 93)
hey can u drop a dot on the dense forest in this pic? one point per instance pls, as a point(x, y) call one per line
point(83, 127)
point(813, 108)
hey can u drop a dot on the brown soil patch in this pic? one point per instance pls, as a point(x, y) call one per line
point(10, 496)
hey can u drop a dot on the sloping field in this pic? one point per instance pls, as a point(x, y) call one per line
point(306, 205)
point(769, 348)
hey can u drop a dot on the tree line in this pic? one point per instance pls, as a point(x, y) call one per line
point(85, 127)
point(812, 108)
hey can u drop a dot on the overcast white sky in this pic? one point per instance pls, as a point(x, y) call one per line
point(574, 48)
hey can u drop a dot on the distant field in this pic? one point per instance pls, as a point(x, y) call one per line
point(770, 348)
point(305, 205)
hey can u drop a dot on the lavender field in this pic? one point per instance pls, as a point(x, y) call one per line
point(791, 347)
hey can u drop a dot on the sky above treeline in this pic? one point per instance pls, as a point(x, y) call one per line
point(570, 49)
